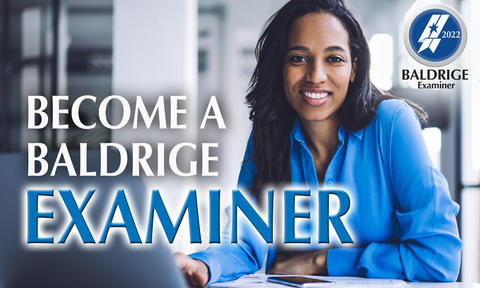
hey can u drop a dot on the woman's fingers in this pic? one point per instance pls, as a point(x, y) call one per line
point(200, 280)
point(195, 271)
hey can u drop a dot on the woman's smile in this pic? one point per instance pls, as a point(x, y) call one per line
point(315, 97)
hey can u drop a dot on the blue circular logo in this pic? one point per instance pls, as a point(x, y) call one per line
point(435, 36)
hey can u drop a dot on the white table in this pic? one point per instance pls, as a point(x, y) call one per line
point(260, 280)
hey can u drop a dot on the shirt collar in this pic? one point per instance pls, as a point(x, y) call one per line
point(359, 133)
point(297, 133)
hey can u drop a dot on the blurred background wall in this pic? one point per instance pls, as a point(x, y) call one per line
point(201, 48)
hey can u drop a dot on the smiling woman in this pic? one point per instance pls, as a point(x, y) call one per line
point(317, 73)
point(318, 121)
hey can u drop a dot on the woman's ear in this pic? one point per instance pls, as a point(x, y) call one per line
point(354, 69)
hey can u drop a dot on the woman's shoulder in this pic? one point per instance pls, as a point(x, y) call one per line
point(393, 116)
point(390, 110)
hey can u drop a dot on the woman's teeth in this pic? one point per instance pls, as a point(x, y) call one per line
point(315, 95)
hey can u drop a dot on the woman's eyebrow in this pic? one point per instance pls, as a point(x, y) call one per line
point(334, 48)
point(303, 48)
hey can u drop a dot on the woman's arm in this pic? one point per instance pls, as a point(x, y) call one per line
point(230, 261)
point(430, 246)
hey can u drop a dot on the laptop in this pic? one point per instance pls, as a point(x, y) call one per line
point(74, 264)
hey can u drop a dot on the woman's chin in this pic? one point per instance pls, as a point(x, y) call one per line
point(315, 118)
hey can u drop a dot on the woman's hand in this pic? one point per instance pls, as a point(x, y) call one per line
point(300, 263)
point(195, 271)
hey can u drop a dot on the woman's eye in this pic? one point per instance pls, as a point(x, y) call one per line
point(297, 59)
point(335, 59)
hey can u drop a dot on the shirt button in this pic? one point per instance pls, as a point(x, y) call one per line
point(329, 182)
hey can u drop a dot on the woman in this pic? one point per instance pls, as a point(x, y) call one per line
point(318, 119)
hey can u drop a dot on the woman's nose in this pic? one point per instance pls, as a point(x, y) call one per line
point(316, 73)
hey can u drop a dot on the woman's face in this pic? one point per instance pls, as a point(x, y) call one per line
point(317, 67)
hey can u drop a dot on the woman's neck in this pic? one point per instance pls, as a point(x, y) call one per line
point(322, 138)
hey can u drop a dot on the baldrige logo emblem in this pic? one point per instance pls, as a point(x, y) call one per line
point(429, 37)
point(435, 35)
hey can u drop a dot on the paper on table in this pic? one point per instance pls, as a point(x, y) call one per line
point(367, 282)
point(260, 280)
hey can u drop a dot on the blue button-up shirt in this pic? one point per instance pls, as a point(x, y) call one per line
point(402, 218)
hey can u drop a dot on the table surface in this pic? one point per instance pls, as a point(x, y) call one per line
point(260, 280)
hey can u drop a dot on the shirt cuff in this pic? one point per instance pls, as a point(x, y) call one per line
point(343, 261)
point(212, 264)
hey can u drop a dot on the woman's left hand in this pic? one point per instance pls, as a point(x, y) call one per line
point(300, 263)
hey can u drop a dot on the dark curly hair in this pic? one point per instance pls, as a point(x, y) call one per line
point(272, 115)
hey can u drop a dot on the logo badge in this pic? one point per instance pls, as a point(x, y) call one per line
point(435, 35)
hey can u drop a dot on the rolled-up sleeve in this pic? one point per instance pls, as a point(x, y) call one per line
point(429, 245)
point(231, 261)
